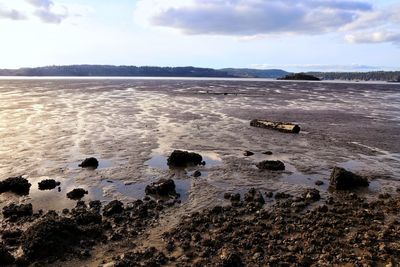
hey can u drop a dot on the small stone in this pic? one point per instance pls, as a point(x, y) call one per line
point(267, 153)
point(248, 153)
point(312, 195)
point(319, 182)
point(196, 174)
point(227, 195)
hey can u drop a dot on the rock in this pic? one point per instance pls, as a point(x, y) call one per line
point(269, 194)
point(182, 159)
point(319, 183)
point(235, 197)
point(342, 179)
point(89, 163)
point(312, 195)
point(196, 174)
point(48, 184)
point(230, 258)
point(227, 195)
point(17, 185)
point(17, 211)
point(77, 193)
point(95, 205)
point(163, 187)
point(11, 237)
point(280, 195)
point(384, 196)
point(267, 152)
point(273, 165)
point(254, 196)
point(5, 257)
point(114, 207)
point(248, 153)
point(50, 237)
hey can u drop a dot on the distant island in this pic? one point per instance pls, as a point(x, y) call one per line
point(300, 77)
point(153, 71)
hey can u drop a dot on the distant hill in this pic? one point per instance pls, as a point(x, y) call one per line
point(134, 71)
point(256, 73)
point(109, 70)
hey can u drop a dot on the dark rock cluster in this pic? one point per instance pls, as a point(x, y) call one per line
point(17, 185)
point(344, 230)
point(51, 237)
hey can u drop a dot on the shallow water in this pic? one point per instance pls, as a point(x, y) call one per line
point(47, 127)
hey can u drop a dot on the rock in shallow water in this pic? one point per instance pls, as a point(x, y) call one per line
point(77, 193)
point(48, 184)
point(273, 165)
point(17, 185)
point(342, 179)
point(163, 187)
point(89, 163)
point(182, 159)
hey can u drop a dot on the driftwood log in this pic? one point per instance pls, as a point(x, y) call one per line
point(285, 127)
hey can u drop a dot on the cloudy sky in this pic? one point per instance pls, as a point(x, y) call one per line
point(359, 35)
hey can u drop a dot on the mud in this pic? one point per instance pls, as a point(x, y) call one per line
point(48, 127)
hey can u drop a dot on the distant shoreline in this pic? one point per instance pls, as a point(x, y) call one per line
point(84, 71)
point(239, 79)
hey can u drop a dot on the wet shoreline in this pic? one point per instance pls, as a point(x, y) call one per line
point(48, 127)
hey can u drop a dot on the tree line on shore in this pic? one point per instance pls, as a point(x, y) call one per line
point(153, 71)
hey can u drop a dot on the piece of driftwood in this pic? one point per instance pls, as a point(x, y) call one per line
point(285, 127)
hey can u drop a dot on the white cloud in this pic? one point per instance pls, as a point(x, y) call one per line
point(359, 21)
point(48, 12)
point(251, 17)
point(374, 37)
point(13, 14)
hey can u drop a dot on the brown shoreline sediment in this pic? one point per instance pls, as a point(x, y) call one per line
point(294, 231)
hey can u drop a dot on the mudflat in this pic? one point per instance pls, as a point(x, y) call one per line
point(48, 127)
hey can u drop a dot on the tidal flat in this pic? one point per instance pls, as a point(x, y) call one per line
point(48, 126)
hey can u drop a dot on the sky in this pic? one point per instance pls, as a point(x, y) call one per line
point(295, 35)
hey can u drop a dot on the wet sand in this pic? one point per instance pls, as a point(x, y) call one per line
point(47, 127)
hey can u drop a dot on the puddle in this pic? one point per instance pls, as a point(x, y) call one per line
point(159, 161)
point(136, 190)
point(106, 191)
point(54, 199)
